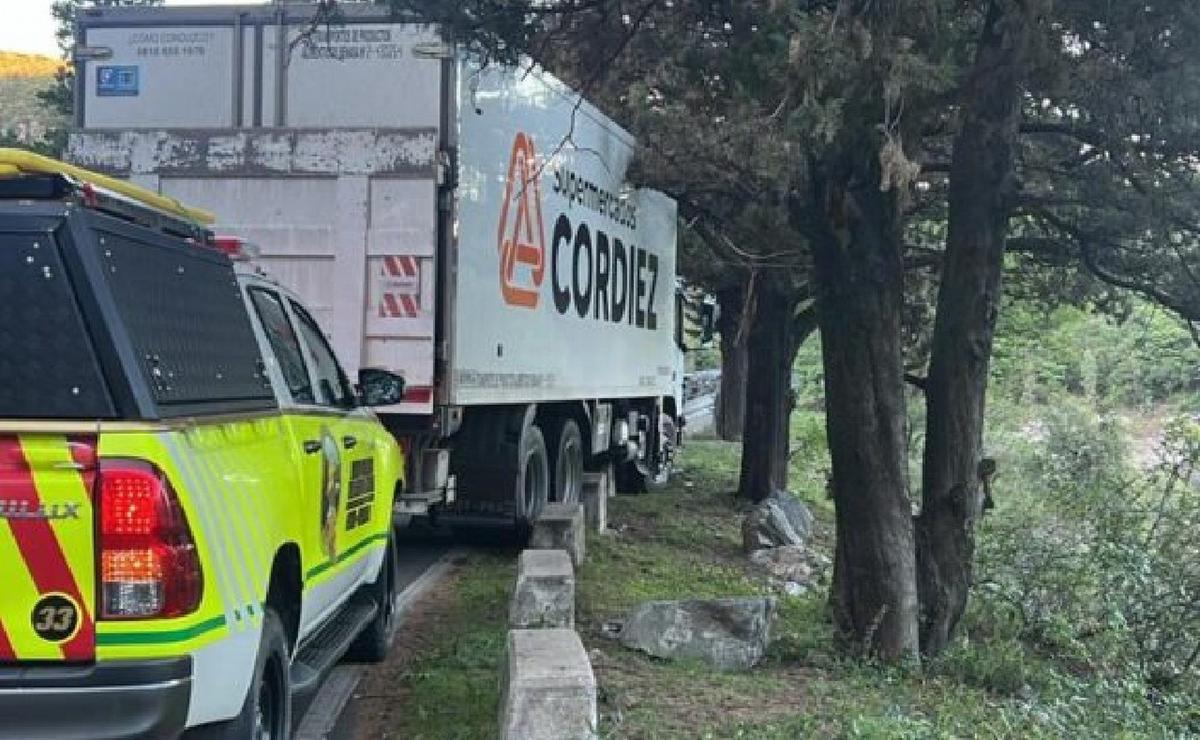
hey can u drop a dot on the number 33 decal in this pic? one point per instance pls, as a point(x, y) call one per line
point(55, 618)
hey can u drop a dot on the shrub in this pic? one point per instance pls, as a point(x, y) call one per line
point(1100, 566)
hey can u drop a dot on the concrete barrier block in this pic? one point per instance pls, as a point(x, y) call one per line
point(549, 688)
point(595, 500)
point(545, 592)
point(560, 527)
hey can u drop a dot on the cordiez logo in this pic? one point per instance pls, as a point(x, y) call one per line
point(599, 277)
point(522, 235)
point(25, 510)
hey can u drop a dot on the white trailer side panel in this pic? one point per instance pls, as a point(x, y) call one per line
point(564, 276)
point(361, 74)
point(160, 76)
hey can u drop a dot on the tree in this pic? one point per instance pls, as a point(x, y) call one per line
point(779, 324)
point(816, 136)
point(729, 415)
point(59, 97)
point(983, 183)
point(1103, 173)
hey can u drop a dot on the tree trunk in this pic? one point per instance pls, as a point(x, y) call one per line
point(981, 183)
point(859, 270)
point(730, 412)
point(775, 337)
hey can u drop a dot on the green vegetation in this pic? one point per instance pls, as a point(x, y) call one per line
point(994, 682)
point(24, 118)
point(1085, 620)
point(17, 65)
point(448, 687)
point(1142, 357)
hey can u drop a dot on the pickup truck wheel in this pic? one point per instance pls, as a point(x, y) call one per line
point(375, 641)
point(533, 477)
point(566, 460)
point(267, 711)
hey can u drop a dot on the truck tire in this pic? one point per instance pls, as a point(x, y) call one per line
point(532, 488)
point(566, 461)
point(632, 480)
point(375, 641)
point(267, 711)
point(656, 480)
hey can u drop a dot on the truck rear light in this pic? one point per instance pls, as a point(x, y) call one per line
point(148, 562)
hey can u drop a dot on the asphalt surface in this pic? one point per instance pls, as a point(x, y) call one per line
point(699, 414)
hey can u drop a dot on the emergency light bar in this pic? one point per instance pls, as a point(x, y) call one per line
point(236, 248)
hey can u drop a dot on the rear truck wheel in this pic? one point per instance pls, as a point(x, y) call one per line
point(532, 488)
point(653, 474)
point(267, 711)
point(375, 641)
point(631, 480)
point(656, 478)
point(565, 446)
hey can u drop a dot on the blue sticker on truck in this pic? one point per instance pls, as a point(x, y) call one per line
point(116, 81)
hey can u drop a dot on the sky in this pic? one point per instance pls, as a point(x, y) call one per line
point(28, 27)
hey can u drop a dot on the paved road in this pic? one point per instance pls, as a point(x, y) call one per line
point(699, 414)
point(329, 714)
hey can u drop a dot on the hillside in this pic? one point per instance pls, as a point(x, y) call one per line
point(23, 119)
point(16, 65)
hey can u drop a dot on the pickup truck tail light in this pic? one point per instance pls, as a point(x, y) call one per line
point(148, 562)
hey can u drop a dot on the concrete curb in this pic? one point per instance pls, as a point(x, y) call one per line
point(549, 687)
point(561, 527)
point(550, 690)
point(544, 595)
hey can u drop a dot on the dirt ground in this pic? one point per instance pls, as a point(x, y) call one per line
point(380, 698)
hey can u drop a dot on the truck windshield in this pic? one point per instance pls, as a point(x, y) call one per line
point(48, 364)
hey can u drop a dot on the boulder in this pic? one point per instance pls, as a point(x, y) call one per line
point(730, 634)
point(781, 519)
point(788, 563)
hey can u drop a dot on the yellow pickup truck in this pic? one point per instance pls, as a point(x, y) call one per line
point(195, 502)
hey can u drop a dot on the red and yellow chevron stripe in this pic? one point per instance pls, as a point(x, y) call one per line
point(41, 556)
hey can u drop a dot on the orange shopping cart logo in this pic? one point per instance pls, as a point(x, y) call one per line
point(522, 238)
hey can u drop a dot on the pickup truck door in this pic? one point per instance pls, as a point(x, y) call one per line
point(356, 434)
point(314, 433)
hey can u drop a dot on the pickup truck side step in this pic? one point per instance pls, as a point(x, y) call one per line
point(327, 647)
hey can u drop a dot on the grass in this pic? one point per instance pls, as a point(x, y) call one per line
point(685, 542)
point(448, 685)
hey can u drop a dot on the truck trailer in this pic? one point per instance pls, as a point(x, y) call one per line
point(466, 225)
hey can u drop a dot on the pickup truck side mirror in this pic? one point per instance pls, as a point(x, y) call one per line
point(379, 387)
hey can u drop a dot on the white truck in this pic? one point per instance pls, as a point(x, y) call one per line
point(464, 225)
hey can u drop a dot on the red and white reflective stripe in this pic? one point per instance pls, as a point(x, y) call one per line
point(400, 266)
point(401, 306)
point(400, 296)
